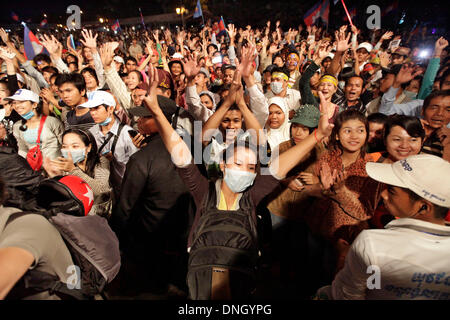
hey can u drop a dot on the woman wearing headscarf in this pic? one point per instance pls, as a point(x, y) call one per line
point(277, 125)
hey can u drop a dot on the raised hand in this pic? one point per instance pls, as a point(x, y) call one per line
point(231, 31)
point(326, 177)
point(407, 73)
point(151, 100)
point(52, 45)
point(440, 44)
point(247, 56)
point(190, 67)
point(354, 29)
point(273, 49)
point(107, 54)
point(342, 41)
point(327, 110)
point(4, 35)
point(387, 35)
point(90, 40)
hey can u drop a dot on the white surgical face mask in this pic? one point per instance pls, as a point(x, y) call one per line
point(276, 87)
point(411, 95)
point(238, 180)
point(78, 155)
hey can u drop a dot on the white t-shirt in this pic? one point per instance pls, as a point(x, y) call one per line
point(411, 257)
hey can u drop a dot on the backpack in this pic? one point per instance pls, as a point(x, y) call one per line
point(93, 246)
point(224, 253)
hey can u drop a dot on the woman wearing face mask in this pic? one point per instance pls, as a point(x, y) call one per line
point(79, 158)
point(412, 90)
point(237, 194)
point(28, 106)
point(278, 126)
point(349, 196)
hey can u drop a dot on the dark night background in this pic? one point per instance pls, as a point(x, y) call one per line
point(255, 12)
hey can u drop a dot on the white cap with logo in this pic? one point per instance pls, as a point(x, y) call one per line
point(366, 46)
point(97, 98)
point(24, 95)
point(426, 175)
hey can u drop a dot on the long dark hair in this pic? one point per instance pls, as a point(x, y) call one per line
point(350, 114)
point(412, 126)
point(92, 157)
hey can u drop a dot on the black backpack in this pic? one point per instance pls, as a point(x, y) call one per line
point(224, 253)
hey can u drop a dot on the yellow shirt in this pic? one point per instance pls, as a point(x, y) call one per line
point(223, 203)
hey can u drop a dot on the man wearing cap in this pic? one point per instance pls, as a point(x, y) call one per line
point(410, 259)
point(111, 136)
point(279, 87)
point(118, 62)
point(363, 54)
point(151, 215)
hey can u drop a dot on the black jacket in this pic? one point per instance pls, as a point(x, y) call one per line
point(21, 181)
point(154, 201)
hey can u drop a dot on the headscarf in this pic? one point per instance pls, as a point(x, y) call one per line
point(211, 95)
point(277, 136)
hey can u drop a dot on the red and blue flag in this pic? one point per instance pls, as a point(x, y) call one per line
point(320, 10)
point(116, 26)
point(31, 44)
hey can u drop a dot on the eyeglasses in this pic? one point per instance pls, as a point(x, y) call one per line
point(398, 56)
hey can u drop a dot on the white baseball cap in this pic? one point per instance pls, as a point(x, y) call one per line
point(24, 95)
point(426, 175)
point(366, 46)
point(118, 59)
point(97, 98)
point(177, 55)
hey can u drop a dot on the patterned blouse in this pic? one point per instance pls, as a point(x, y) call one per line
point(345, 214)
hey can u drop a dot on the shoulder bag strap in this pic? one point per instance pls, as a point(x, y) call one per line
point(41, 126)
point(113, 148)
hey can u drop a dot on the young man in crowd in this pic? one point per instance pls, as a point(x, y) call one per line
point(113, 138)
point(152, 215)
point(72, 91)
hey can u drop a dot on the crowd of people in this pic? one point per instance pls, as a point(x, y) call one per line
point(257, 162)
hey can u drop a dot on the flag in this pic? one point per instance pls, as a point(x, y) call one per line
point(43, 23)
point(72, 42)
point(198, 10)
point(325, 11)
point(142, 18)
point(31, 44)
point(14, 16)
point(116, 26)
point(390, 8)
point(320, 10)
point(351, 12)
point(222, 30)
